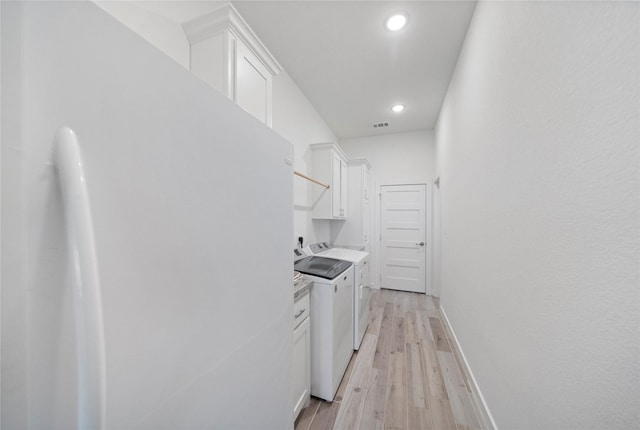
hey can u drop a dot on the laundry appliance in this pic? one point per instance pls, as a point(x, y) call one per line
point(362, 283)
point(332, 322)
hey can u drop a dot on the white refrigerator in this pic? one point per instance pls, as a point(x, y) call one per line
point(183, 186)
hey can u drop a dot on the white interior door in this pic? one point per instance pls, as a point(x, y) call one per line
point(403, 237)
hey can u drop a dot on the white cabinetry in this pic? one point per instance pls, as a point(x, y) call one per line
point(355, 232)
point(301, 354)
point(227, 55)
point(366, 178)
point(329, 165)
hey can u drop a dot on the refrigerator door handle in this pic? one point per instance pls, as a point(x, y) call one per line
point(87, 296)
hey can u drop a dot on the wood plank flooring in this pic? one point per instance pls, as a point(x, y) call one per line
point(406, 375)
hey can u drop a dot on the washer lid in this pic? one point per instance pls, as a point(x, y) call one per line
point(327, 268)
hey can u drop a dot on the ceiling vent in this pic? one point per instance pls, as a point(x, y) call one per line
point(381, 124)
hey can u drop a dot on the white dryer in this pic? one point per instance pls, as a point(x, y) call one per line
point(362, 284)
point(331, 319)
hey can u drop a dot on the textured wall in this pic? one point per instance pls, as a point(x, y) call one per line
point(165, 34)
point(537, 149)
point(295, 119)
point(396, 158)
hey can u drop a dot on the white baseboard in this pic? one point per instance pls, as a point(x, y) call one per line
point(479, 403)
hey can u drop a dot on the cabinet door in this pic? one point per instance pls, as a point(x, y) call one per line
point(365, 182)
point(301, 366)
point(253, 84)
point(364, 299)
point(344, 190)
point(366, 224)
point(342, 324)
point(336, 191)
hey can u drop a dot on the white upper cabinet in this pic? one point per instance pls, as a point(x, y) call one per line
point(227, 54)
point(253, 84)
point(366, 181)
point(329, 165)
point(355, 232)
point(339, 196)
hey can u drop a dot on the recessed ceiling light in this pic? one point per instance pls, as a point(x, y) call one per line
point(396, 21)
point(397, 108)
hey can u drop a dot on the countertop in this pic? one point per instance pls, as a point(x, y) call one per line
point(301, 288)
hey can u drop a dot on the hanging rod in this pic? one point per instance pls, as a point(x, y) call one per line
point(311, 179)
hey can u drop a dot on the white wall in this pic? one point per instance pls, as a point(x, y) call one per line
point(537, 148)
point(0, 212)
point(165, 34)
point(294, 117)
point(296, 120)
point(397, 158)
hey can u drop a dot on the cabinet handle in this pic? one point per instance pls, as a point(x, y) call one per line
point(420, 244)
point(299, 313)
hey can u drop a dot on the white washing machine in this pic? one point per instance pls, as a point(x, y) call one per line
point(331, 319)
point(362, 284)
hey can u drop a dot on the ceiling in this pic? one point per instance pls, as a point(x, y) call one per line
point(349, 66)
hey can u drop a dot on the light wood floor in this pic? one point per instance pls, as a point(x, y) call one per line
point(406, 374)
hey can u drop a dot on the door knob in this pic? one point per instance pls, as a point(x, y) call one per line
point(420, 244)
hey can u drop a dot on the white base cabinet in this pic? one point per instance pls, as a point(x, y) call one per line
point(301, 354)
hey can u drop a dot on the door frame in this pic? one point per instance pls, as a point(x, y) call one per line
point(436, 210)
point(428, 228)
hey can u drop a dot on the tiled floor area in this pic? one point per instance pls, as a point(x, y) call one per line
point(405, 375)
